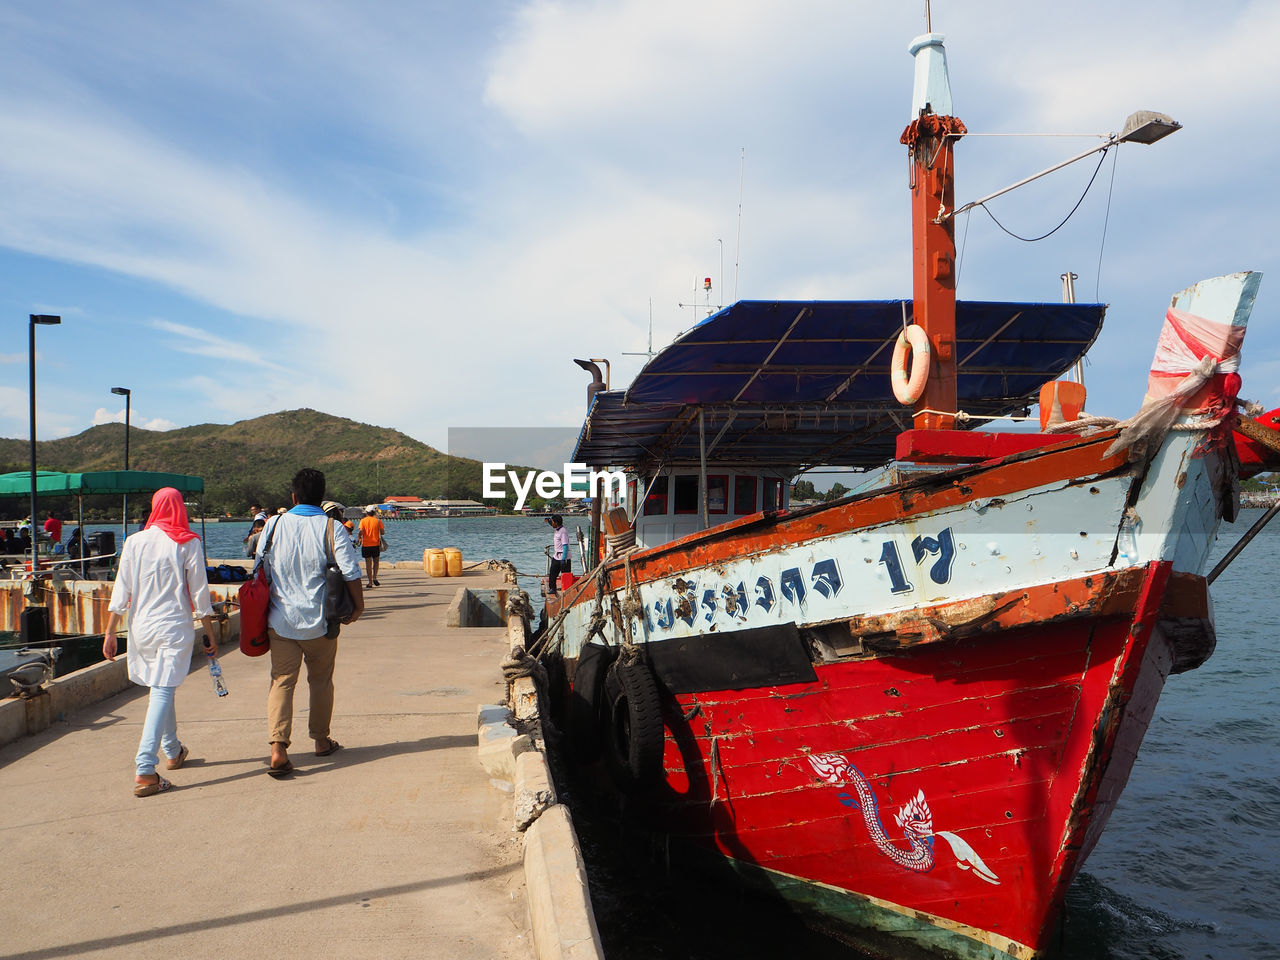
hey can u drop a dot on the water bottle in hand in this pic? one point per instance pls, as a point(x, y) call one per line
point(215, 670)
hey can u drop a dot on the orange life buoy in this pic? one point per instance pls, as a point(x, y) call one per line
point(909, 390)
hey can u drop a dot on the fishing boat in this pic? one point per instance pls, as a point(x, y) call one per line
point(912, 710)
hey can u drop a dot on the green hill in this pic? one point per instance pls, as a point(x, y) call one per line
point(252, 461)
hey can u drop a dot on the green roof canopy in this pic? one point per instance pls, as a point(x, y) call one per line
point(51, 484)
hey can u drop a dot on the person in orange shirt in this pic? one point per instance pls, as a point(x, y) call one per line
point(371, 531)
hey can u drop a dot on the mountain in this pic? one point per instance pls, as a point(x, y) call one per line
point(252, 461)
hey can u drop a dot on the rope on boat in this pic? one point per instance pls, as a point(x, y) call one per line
point(630, 608)
point(521, 664)
point(545, 644)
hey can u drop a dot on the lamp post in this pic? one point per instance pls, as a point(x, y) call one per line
point(46, 319)
point(127, 394)
point(124, 500)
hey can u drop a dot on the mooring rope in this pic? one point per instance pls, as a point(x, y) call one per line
point(521, 664)
point(544, 644)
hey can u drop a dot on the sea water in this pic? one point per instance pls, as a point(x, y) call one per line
point(519, 539)
point(1187, 865)
point(1185, 869)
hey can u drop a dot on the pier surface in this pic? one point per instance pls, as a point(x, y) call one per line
point(395, 846)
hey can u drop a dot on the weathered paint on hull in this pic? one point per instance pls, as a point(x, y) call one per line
point(1016, 746)
point(1039, 518)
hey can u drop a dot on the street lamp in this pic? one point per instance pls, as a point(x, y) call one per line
point(124, 499)
point(126, 393)
point(1141, 126)
point(48, 320)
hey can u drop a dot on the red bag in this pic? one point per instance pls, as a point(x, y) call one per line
point(255, 602)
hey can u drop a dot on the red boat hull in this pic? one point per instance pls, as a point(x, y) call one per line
point(1018, 744)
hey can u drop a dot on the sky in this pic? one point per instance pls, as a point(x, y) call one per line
point(415, 214)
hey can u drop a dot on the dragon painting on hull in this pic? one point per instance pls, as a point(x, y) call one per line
point(915, 820)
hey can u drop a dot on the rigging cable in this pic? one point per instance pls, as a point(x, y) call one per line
point(1097, 276)
point(964, 242)
point(1088, 186)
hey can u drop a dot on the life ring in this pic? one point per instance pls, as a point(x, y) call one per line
point(587, 701)
point(633, 745)
point(909, 390)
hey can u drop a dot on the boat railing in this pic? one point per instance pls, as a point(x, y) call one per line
point(64, 568)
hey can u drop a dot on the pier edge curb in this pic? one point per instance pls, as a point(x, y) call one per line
point(510, 739)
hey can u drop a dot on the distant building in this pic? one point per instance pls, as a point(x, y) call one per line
point(460, 508)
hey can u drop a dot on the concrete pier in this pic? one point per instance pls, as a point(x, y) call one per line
point(396, 846)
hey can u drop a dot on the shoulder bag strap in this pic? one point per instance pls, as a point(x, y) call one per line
point(328, 541)
point(266, 547)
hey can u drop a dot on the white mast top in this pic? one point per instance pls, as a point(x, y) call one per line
point(932, 85)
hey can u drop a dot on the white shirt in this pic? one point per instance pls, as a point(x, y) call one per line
point(157, 583)
point(295, 566)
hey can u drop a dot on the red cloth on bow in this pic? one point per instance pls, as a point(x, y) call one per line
point(169, 513)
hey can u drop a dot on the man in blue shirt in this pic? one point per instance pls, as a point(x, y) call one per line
point(296, 545)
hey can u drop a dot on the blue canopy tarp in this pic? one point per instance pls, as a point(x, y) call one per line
point(799, 383)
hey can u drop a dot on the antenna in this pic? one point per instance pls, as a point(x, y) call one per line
point(928, 18)
point(737, 256)
point(706, 298)
point(648, 354)
point(1069, 296)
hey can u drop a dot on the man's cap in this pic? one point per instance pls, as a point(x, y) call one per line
point(331, 505)
point(371, 508)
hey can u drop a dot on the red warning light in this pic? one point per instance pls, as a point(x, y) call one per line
point(706, 284)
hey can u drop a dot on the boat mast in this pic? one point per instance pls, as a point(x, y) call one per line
point(930, 139)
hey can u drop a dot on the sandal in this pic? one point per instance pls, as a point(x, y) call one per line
point(151, 789)
point(332, 746)
point(175, 763)
point(280, 772)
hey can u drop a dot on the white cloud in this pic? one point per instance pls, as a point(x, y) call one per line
point(103, 415)
point(205, 344)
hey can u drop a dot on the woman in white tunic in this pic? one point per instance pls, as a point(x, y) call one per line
point(161, 580)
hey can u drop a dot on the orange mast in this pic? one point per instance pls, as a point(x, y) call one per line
point(930, 139)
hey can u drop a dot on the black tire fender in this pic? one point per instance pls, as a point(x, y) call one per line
point(587, 715)
point(634, 744)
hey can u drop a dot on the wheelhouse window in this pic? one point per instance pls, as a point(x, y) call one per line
point(772, 494)
point(686, 494)
point(655, 503)
point(744, 495)
point(718, 493)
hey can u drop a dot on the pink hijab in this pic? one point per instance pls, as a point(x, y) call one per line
point(169, 513)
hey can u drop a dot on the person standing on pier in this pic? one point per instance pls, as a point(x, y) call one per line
point(371, 531)
point(559, 553)
point(297, 553)
point(160, 581)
